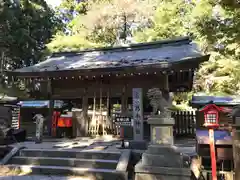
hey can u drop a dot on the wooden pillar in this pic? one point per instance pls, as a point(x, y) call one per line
point(166, 82)
point(124, 99)
point(165, 92)
point(80, 118)
point(51, 106)
point(108, 103)
point(110, 121)
point(84, 126)
point(236, 140)
point(236, 145)
point(190, 75)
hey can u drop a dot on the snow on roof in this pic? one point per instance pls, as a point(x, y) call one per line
point(133, 55)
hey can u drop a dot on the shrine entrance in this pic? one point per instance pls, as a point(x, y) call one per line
point(101, 76)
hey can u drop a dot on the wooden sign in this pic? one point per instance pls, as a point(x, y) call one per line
point(127, 121)
point(137, 114)
point(14, 111)
point(15, 117)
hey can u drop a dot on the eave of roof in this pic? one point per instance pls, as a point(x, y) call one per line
point(162, 54)
point(218, 100)
point(190, 64)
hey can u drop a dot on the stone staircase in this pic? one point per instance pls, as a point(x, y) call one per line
point(103, 165)
point(4, 150)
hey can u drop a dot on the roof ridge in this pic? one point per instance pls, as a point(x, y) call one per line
point(153, 44)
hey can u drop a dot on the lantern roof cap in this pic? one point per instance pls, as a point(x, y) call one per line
point(212, 106)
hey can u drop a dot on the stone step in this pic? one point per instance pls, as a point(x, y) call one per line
point(98, 174)
point(71, 162)
point(4, 150)
point(70, 154)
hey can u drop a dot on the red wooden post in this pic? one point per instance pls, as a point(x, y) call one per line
point(211, 116)
point(54, 123)
point(213, 154)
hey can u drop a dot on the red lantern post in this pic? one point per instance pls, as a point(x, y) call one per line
point(213, 154)
point(211, 118)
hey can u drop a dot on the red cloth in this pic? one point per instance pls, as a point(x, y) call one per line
point(64, 122)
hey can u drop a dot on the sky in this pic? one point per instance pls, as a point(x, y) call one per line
point(53, 3)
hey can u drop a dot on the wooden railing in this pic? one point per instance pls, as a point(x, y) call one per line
point(185, 124)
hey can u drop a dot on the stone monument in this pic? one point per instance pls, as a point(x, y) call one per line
point(161, 161)
point(137, 114)
point(39, 127)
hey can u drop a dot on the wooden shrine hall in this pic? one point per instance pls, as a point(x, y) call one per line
point(113, 72)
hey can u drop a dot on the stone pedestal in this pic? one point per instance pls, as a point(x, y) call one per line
point(161, 130)
point(161, 161)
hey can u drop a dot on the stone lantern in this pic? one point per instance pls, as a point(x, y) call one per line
point(162, 160)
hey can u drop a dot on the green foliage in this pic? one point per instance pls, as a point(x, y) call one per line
point(26, 28)
point(70, 43)
point(104, 21)
point(214, 25)
point(170, 20)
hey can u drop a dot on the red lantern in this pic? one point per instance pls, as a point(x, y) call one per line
point(211, 115)
point(211, 120)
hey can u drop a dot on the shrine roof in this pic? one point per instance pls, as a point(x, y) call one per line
point(143, 54)
point(40, 104)
point(198, 101)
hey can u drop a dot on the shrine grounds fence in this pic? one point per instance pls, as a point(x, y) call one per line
point(185, 125)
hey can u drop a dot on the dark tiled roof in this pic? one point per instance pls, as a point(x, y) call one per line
point(133, 55)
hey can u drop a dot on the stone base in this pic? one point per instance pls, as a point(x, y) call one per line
point(159, 120)
point(161, 173)
point(140, 145)
point(162, 162)
point(161, 130)
point(162, 156)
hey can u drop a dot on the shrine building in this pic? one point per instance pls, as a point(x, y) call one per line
point(104, 75)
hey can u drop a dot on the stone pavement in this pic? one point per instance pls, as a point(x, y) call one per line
point(41, 177)
point(100, 143)
point(70, 144)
